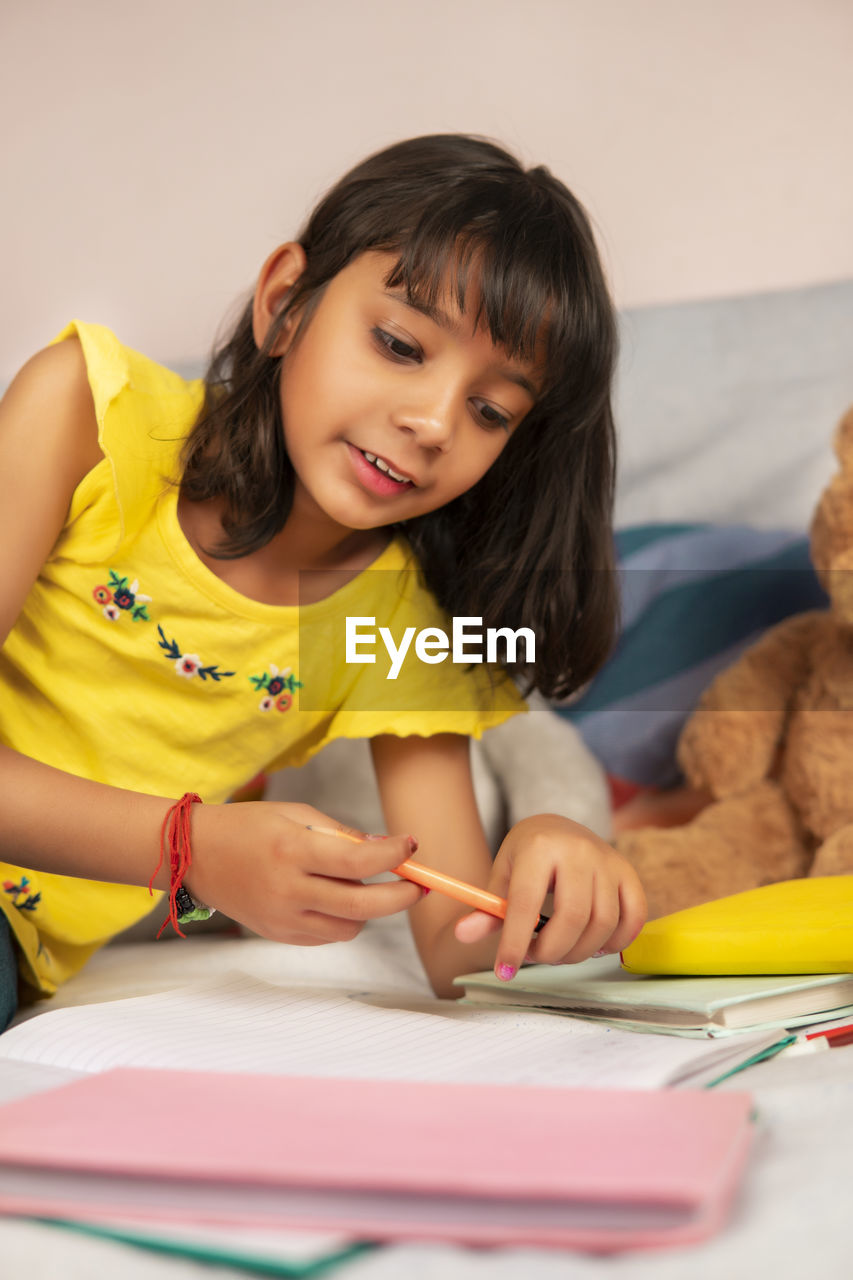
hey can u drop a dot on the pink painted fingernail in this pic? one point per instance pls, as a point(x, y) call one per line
point(505, 972)
point(413, 844)
point(596, 955)
point(426, 890)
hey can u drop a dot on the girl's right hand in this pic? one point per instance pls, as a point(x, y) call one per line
point(259, 864)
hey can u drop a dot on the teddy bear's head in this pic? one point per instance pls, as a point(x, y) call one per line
point(832, 527)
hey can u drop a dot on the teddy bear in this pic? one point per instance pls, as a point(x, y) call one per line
point(770, 744)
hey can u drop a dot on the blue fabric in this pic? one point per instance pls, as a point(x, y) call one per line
point(8, 975)
point(694, 597)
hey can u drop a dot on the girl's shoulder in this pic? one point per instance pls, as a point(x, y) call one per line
point(140, 413)
point(112, 368)
point(51, 395)
point(143, 410)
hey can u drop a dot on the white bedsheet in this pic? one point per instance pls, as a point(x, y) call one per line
point(789, 1220)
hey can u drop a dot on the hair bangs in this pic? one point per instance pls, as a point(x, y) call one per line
point(497, 274)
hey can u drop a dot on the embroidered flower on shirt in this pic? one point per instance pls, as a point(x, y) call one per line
point(189, 664)
point(121, 596)
point(278, 686)
point(16, 891)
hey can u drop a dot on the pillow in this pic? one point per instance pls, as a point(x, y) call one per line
point(726, 406)
point(693, 598)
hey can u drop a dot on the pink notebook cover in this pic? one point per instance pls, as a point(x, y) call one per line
point(493, 1164)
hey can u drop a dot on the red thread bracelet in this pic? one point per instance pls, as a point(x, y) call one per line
point(175, 834)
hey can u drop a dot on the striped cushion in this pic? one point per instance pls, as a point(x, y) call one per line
point(693, 598)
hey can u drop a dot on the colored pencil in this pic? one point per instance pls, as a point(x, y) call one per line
point(428, 878)
point(834, 1036)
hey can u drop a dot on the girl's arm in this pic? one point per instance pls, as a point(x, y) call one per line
point(596, 901)
point(426, 790)
point(256, 861)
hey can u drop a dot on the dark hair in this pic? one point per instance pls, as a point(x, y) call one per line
point(530, 544)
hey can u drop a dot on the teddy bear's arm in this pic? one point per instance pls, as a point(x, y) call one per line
point(731, 740)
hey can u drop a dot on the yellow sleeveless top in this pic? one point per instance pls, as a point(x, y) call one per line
point(135, 665)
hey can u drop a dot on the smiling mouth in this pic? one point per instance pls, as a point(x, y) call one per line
point(385, 469)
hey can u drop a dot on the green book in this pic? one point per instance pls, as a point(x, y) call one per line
point(602, 990)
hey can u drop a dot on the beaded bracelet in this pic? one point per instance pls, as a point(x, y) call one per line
point(175, 834)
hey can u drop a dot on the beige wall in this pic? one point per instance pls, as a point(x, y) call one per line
point(154, 152)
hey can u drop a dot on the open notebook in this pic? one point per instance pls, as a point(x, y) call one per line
point(239, 1023)
point(477, 1164)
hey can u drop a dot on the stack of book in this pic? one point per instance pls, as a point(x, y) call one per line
point(703, 1006)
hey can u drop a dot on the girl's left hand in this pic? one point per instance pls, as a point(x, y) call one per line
point(598, 901)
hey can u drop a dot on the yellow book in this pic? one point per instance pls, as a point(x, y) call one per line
point(795, 926)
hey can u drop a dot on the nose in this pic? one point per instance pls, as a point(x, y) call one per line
point(427, 413)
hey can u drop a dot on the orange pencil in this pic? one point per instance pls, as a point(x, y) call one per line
point(428, 878)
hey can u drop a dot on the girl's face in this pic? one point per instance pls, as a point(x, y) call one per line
point(390, 412)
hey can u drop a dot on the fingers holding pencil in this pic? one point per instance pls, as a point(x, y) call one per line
point(338, 860)
point(376, 853)
point(355, 836)
point(490, 909)
point(258, 863)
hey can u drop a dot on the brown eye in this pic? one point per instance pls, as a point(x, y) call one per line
point(395, 347)
point(490, 417)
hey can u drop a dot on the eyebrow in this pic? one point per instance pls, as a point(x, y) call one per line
point(440, 317)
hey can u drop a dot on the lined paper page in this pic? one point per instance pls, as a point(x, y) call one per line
point(20, 1079)
point(238, 1023)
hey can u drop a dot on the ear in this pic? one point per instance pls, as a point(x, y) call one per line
point(278, 275)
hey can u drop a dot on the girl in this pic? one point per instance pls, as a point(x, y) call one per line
point(410, 421)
